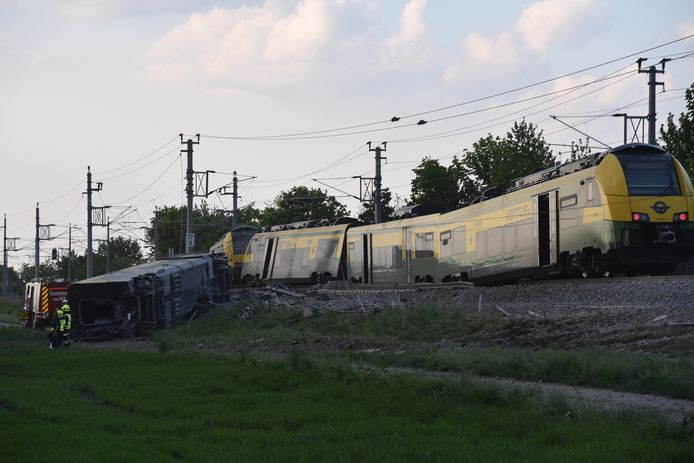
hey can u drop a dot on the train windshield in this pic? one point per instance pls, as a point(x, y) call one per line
point(650, 174)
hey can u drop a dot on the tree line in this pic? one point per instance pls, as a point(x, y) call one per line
point(491, 161)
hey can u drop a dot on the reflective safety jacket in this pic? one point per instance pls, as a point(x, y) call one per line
point(61, 320)
point(68, 322)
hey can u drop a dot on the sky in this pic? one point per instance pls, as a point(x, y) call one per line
point(285, 92)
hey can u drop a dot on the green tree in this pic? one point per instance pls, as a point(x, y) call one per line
point(435, 184)
point(122, 253)
point(46, 270)
point(496, 161)
point(209, 226)
point(302, 203)
point(15, 286)
point(367, 214)
point(679, 137)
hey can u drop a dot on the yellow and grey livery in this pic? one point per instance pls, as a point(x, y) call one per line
point(624, 210)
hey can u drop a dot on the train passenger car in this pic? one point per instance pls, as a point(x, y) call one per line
point(300, 255)
point(150, 294)
point(400, 251)
point(624, 210)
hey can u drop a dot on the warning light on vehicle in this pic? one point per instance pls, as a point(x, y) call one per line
point(639, 217)
point(681, 217)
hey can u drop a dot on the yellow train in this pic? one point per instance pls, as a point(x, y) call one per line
point(624, 210)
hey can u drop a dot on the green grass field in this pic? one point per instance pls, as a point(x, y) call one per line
point(408, 338)
point(85, 404)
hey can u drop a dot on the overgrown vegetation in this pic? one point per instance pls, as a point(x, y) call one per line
point(269, 328)
point(9, 310)
point(429, 338)
point(133, 406)
point(622, 371)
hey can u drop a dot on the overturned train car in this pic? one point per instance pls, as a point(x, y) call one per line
point(126, 302)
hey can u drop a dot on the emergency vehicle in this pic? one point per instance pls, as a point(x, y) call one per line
point(42, 298)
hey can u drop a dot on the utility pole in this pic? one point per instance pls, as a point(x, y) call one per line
point(5, 275)
point(69, 252)
point(652, 84)
point(377, 180)
point(190, 235)
point(235, 195)
point(108, 245)
point(156, 232)
point(90, 222)
point(43, 232)
point(36, 245)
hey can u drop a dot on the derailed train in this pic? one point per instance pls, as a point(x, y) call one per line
point(156, 293)
point(623, 210)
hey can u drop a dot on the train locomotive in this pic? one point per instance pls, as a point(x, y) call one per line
point(624, 210)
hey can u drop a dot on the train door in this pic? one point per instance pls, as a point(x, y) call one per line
point(546, 232)
point(269, 258)
point(368, 258)
point(409, 252)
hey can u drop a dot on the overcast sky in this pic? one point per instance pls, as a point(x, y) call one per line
point(105, 83)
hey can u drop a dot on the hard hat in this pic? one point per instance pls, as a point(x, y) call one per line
point(59, 312)
point(65, 308)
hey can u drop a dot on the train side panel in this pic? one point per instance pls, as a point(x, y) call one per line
point(302, 255)
point(401, 251)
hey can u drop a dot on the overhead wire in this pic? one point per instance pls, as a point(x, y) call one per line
point(330, 132)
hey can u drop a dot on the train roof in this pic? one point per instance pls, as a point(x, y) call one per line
point(574, 166)
point(159, 266)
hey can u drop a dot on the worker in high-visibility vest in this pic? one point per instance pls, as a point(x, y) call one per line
point(68, 323)
point(60, 328)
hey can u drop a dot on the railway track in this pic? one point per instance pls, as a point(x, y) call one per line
point(341, 285)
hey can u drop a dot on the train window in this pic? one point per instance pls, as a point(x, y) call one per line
point(568, 201)
point(326, 248)
point(446, 245)
point(459, 240)
point(509, 238)
point(592, 192)
point(525, 236)
point(652, 175)
point(494, 242)
point(424, 245)
point(480, 245)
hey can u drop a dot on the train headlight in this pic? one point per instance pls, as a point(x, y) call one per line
point(680, 217)
point(640, 217)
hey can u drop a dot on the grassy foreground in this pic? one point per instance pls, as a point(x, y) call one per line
point(115, 406)
point(410, 337)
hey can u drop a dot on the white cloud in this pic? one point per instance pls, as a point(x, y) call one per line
point(411, 45)
point(685, 28)
point(499, 53)
point(547, 22)
point(263, 47)
point(92, 9)
point(542, 25)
